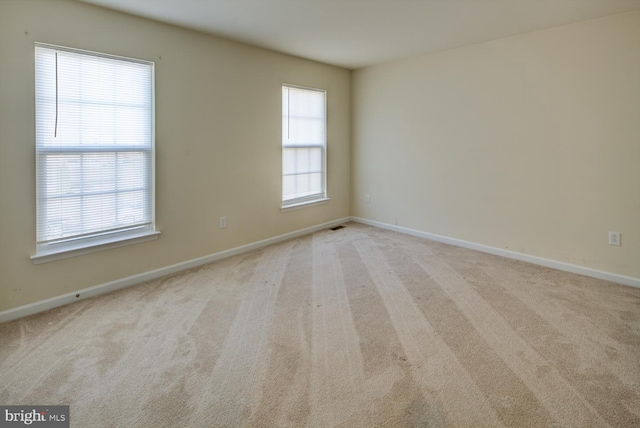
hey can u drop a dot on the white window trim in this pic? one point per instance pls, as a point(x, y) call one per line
point(62, 250)
point(319, 198)
point(55, 252)
point(292, 207)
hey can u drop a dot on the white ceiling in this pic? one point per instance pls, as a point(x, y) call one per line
point(358, 33)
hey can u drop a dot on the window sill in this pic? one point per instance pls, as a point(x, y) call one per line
point(100, 244)
point(304, 204)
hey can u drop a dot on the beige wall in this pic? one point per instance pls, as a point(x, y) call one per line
point(530, 143)
point(218, 143)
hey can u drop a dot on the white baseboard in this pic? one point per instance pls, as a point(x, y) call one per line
point(64, 299)
point(567, 267)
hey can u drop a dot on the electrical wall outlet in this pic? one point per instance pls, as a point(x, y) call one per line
point(367, 199)
point(223, 222)
point(614, 238)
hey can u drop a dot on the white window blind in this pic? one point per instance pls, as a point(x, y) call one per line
point(94, 145)
point(303, 145)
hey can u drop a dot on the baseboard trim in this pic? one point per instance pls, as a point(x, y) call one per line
point(64, 299)
point(567, 267)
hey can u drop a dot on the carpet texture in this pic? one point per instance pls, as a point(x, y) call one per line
point(358, 327)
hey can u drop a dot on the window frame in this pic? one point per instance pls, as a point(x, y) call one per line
point(322, 196)
point(105, 239)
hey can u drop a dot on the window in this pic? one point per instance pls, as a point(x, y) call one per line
point(303, 146)
point(94, 149)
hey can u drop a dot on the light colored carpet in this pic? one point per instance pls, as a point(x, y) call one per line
point(358, 327)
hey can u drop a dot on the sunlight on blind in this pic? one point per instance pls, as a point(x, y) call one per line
point(94, 142)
